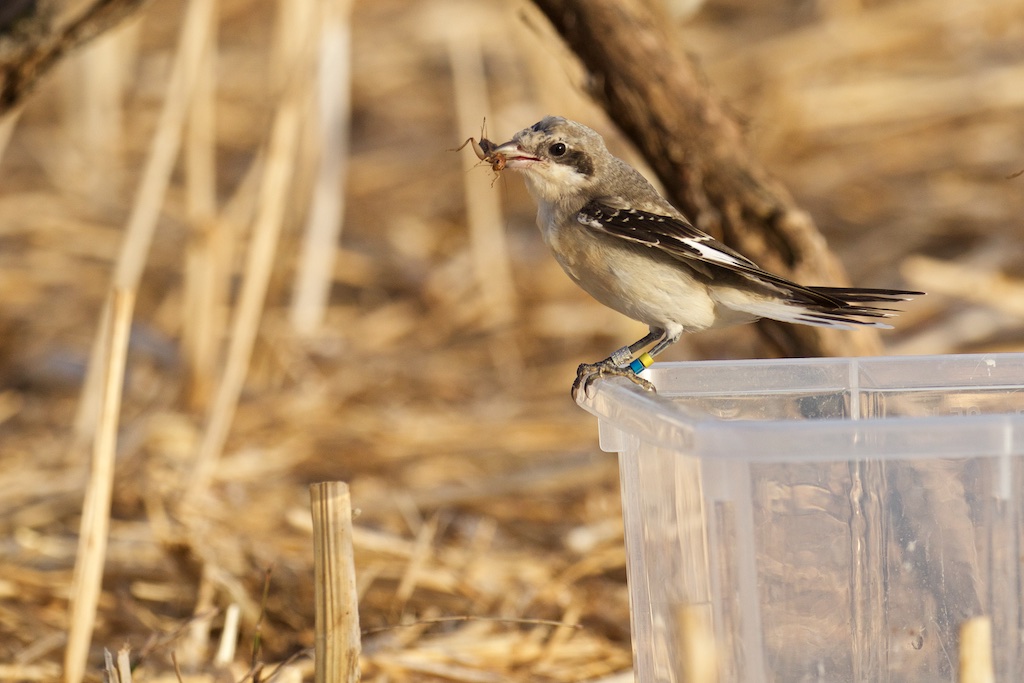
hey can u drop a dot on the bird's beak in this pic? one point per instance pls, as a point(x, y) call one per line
point(514, 156)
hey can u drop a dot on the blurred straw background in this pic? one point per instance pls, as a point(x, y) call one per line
point(318, 290)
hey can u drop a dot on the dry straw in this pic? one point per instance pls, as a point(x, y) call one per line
point(156, 175)
point(92, 546)
point(274, 192)
point(314, 273)
point(207, 261)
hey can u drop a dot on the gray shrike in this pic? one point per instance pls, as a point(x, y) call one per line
point(623, 243)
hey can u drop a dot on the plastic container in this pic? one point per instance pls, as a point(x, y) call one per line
point(829, 520)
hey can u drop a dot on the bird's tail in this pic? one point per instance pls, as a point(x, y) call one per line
point(847, 307)
point(840, 307)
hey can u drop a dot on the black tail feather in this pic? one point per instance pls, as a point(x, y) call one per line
point(850, 307)
point(850, 295)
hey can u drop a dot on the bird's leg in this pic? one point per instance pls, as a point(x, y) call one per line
point(621, 363)
point(624, 356)
point(667, 340)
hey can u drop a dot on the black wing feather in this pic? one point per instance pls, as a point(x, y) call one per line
point(682, 241)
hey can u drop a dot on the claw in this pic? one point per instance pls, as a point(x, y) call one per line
point(588, 373)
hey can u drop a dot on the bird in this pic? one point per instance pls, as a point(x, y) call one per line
point(617, 238)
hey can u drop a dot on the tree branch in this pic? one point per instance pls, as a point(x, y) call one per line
point(33, 38)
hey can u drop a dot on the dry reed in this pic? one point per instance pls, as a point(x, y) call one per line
point(92, 535)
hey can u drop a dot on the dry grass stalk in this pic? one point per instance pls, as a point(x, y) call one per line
point(338, 640)
point(124, 665)
point(982, 286)
point(47, 671)
point(8, 122)
point(698, 652)
point(885, 28)
point(109, 670)
point(149, 197)
point(623, 677)
point(277, 170)
point(421, 554)
point(97, 77)
point(206, 267)
point(976, 651)
point(195, 645)
point(228, 638)
point(873, 102)
point(491, 263)
point(314, 273)
point(964, 328)
point(291, 38)
point(88, 577)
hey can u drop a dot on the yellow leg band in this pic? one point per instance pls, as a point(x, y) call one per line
point(642, 362)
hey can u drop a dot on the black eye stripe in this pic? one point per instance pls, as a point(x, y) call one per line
point(579, 160)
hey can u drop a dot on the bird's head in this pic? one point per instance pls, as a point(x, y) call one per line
point(559, 158)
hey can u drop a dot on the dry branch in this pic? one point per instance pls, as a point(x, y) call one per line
point(653, 90)
point(33, 43)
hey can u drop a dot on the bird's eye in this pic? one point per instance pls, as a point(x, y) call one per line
point(557, 149)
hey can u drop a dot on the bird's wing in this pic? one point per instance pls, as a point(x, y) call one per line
point(674, 236)
point(682, 241)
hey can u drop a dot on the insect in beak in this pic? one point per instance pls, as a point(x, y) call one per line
point(485, 150)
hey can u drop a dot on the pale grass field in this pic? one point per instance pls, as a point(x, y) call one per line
point(427, 360)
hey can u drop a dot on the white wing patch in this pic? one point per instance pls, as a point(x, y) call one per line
point(708, 252)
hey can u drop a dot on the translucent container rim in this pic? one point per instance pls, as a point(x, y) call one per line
point(627, 411)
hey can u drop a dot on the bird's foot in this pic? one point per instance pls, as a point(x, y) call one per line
point(588, 373)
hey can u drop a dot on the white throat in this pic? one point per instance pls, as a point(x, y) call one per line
point(550, 182)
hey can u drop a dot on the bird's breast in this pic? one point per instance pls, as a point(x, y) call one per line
point(630, 279)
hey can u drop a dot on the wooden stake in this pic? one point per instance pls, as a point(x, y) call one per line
point(92, 539)
point(337, 605)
